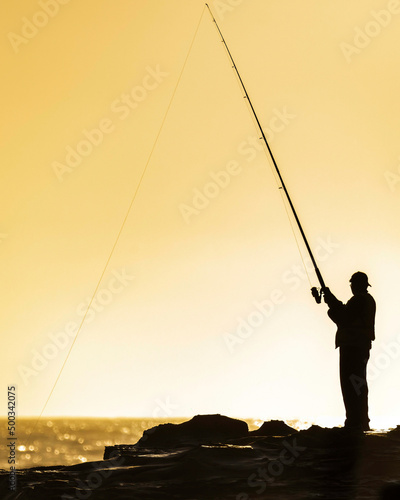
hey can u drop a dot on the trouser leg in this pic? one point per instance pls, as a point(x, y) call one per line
point(353, 381)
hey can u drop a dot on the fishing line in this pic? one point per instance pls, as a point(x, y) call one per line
point(125, 219)
point(285, 205)
point(295, 236)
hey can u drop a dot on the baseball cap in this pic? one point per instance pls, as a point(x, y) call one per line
point(360, 277)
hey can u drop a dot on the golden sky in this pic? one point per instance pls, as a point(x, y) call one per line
point(204, 306)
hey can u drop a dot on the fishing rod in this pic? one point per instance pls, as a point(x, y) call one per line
point(315, 292)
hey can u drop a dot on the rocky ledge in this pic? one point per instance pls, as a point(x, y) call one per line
point(213, 457)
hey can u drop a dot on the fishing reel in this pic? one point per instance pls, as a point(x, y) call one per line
point(317, 294)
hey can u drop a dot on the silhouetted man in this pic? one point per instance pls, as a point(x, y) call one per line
point(355, 322)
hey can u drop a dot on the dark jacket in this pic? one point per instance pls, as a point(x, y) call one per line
point(355, 319)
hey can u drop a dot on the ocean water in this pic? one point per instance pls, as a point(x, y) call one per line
point(68, 441)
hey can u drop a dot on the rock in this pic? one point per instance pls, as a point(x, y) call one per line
point(201, 429)
point(391, 492)
point(274, 428)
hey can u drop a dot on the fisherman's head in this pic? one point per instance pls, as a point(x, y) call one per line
point(359, 282)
